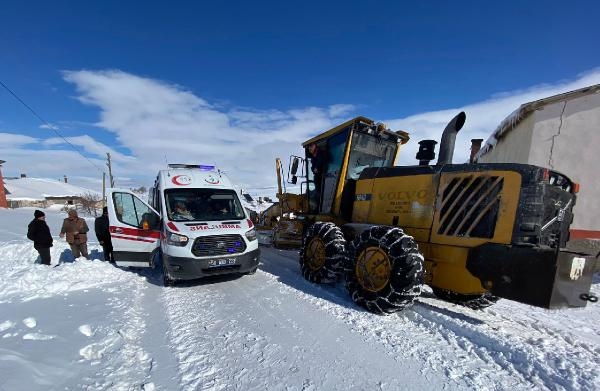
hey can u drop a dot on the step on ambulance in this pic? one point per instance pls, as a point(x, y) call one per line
point(194, 219)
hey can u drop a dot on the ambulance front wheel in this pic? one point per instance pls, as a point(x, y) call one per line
point(167, 280)
point(253, 271)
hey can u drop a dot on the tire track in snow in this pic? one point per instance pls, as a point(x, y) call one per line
point(518, 342)
point(251, 333)
point(480, 347)
point(118, 352)
point(220, 339)
point(190, 317)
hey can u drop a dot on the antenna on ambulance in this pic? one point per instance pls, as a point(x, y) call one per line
point(167, 164)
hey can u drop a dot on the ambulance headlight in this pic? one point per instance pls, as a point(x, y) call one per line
point(251, 235)
point(176, 239)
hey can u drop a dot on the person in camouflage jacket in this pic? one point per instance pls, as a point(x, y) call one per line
point(75, 228)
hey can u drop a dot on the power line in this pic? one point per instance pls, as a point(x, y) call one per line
point(260, 188)
point(51, 127)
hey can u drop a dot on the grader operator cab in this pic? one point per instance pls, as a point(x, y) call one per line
point(472, 232)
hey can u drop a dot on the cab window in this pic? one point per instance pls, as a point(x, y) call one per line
point(369, 151)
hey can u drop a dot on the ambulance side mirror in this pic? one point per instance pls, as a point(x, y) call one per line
point(150, 221)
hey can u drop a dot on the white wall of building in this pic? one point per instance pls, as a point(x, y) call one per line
point(514, 147)
point(563, 136)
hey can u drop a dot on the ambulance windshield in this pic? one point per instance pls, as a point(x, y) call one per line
point(203, 205)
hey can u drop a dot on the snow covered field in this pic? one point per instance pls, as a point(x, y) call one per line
point(87, 325)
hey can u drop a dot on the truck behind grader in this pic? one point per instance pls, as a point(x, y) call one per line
point(473, 232)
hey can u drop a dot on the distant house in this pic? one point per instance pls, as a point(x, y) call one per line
point(255, 208)
point(562, 133)
point(269, 216)
point(3, 191)
point(42, 193)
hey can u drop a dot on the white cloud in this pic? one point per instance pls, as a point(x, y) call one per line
point(89, 145)
point(11, 140)
point(45, 163)
point(49, 126)
point(159, 122)
point(482, 117)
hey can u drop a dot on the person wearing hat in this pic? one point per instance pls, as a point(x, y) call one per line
point(101, 226)
point(39, 232)
point(75, 228)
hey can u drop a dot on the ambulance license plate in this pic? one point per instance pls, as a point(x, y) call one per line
point(221, 262)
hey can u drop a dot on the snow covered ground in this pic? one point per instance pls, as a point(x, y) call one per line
point(87, 325)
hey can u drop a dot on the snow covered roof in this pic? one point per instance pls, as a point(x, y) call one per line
point(525, 109)
point(256, 206)
point(37, 189)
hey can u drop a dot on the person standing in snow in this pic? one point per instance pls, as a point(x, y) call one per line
point(101, 226)
point(75, 228)
point(39, 232)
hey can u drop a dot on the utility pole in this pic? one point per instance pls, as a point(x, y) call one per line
point(110, 176)
point(103, 189)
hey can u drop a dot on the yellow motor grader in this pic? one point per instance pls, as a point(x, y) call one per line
point(472, 232)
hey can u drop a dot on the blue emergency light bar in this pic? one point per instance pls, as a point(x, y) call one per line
point(202, 167)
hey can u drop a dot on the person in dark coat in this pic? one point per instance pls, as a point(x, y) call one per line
point(101, 227)
point(39, 232)
point(317, 166)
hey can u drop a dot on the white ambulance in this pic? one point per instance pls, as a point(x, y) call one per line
point(194, 219)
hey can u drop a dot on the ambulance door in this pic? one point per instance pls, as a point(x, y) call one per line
point(134, 229)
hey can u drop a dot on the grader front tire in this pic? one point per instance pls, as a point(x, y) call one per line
point(323, 253)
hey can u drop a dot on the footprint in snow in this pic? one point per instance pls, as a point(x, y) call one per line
point(38, 337)
point(7, 324)
point(30, 322)
point(86, 330)
point(92, 352)
point(148, 387)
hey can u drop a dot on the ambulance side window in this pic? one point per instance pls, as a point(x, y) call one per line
point(131, 210)
point(158, 201)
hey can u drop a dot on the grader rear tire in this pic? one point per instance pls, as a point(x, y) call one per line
point(387, 272)
point(323, 253)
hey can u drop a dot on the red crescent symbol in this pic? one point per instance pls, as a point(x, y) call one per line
point(210, 179)
point(176, 181)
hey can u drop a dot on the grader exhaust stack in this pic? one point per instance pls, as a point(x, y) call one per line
point(448, 138)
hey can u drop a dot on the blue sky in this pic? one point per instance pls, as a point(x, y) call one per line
point(225, 81)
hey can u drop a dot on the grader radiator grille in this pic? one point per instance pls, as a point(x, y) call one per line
point(469, 206)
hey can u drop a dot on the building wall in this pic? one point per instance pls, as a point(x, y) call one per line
point(3, 201)
point(514, 147)
point(565, 137)
point(574, 127)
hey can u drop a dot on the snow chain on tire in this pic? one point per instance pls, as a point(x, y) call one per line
point(323, 253)
point(386, 273)
point(475, 302)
